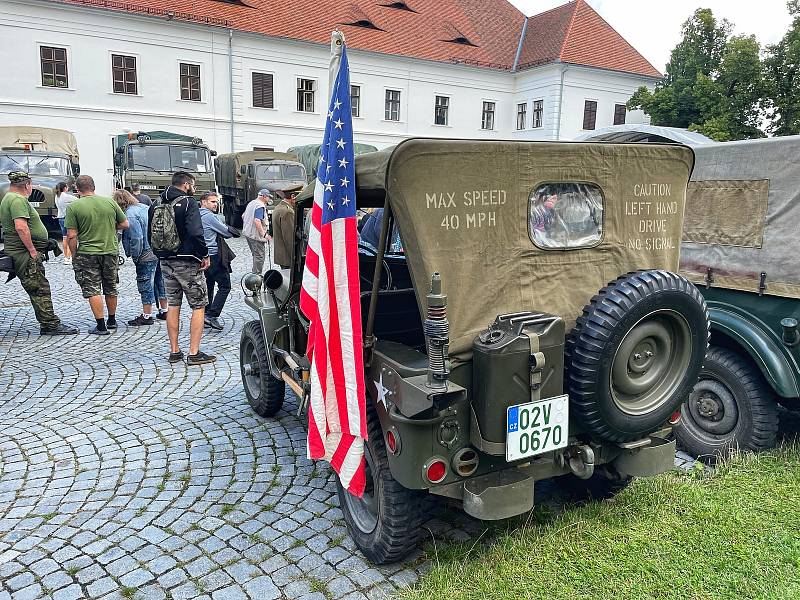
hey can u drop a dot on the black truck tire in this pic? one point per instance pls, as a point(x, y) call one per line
point(385, 522)
point(732, 407)
point(264, 392)
point(635, 354)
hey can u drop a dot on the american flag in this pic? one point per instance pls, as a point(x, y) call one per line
point(337, 424)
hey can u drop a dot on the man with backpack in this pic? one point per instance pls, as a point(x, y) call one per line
point(175, 232)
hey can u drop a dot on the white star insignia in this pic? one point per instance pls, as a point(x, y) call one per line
point(340, 143)
point(329, 187)
point(336, 104)
point(345, 201)
point(330, 205)
point(345, 181)
point(343, 163)
point(382, 392)
point(338, 123)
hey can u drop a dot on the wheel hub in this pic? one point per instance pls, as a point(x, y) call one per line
point(709, 407)
point(650, 361)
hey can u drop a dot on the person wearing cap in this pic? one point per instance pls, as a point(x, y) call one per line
point(283, 227)
point(254, 228)
point(26, 243)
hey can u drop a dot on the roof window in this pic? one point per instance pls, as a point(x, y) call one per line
point(461, 40)
point(235, 3)
point(365, 23)
point(399, 6)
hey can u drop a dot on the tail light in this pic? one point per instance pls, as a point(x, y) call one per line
point(393, 441)
point(435, 470)
point(465, 462)
point(675, 418)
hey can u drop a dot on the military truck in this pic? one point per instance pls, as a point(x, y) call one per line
point(149, 158)
point(740, 246)
point(309, 155)
point(48, 155)
point(531, 327)
point(241, 175)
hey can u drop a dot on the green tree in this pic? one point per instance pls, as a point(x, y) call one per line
point(713, 82)
point(782, 76)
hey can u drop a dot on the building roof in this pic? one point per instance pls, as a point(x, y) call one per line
point(455, 31)
point(574, 33)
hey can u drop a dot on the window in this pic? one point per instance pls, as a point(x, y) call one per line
point(565, 215)
point(305, 94)
point(522, 115)
point(263, 149)
point(123, 74)
point(619, 114)
point(54, 66)
point(589, 114)
point(392, 105)
point(538, 110)
point(440, 113)
point(190, 82)
point(262, 90)
point(355, 100)
point(165, 157)
point(487, 121)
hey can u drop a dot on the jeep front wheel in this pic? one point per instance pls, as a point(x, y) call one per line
point(264, 393)
point(635, 354)
point(384, 523)
point(731, 407)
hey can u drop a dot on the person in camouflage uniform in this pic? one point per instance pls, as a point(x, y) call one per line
point(26, 243)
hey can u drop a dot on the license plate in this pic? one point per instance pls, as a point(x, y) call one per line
point(147, 187)
point(35, 204)
point(537, 427)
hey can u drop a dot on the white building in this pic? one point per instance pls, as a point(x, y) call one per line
point(245, 74)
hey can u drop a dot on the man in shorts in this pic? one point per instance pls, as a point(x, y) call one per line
point(183, 268)
point(92, 222)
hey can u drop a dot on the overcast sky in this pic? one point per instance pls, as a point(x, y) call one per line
point(653, 26)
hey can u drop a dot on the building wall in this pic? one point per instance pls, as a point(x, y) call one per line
point(91, 110)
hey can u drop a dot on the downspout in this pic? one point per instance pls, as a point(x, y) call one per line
point(560, 102)
point(230, 79)
point(519, 46)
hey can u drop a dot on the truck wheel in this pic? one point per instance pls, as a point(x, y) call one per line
point(731, 407)
point(264, 393)
point(635, 354)
point(385, 522)
point(604, 483)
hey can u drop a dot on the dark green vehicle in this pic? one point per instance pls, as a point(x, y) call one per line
point(149, 158)
point(497, 353)
point(240, 176)
point(741, 245)
point(49, 156)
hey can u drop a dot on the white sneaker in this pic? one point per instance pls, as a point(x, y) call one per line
point(67, 260)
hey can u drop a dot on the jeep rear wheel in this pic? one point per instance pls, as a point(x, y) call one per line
point(635, 354)
point(264, 393)
point(731, 407)
point(385, 522)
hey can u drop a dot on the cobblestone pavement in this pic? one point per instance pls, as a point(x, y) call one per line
point(123, 476)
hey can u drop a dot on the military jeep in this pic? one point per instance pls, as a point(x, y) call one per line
point(740, 246)
point(497, 353)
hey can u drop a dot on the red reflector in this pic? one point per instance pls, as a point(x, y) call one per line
point(436, 471)
point(391, 442)
point(675, 418)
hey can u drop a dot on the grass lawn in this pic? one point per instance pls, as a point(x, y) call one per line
point(731, 534)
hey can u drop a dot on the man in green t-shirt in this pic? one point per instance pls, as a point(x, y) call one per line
point(91, 223)
point(26, 244)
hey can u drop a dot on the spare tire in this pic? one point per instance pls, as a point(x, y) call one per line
point(635, 354)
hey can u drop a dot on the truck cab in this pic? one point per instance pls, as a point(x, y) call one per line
point(150, 159)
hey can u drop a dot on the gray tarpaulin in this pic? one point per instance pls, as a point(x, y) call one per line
point(743, 216)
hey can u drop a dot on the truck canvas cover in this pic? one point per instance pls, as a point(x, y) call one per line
point(40, 139)
point(463, 210)
point(742, 215)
